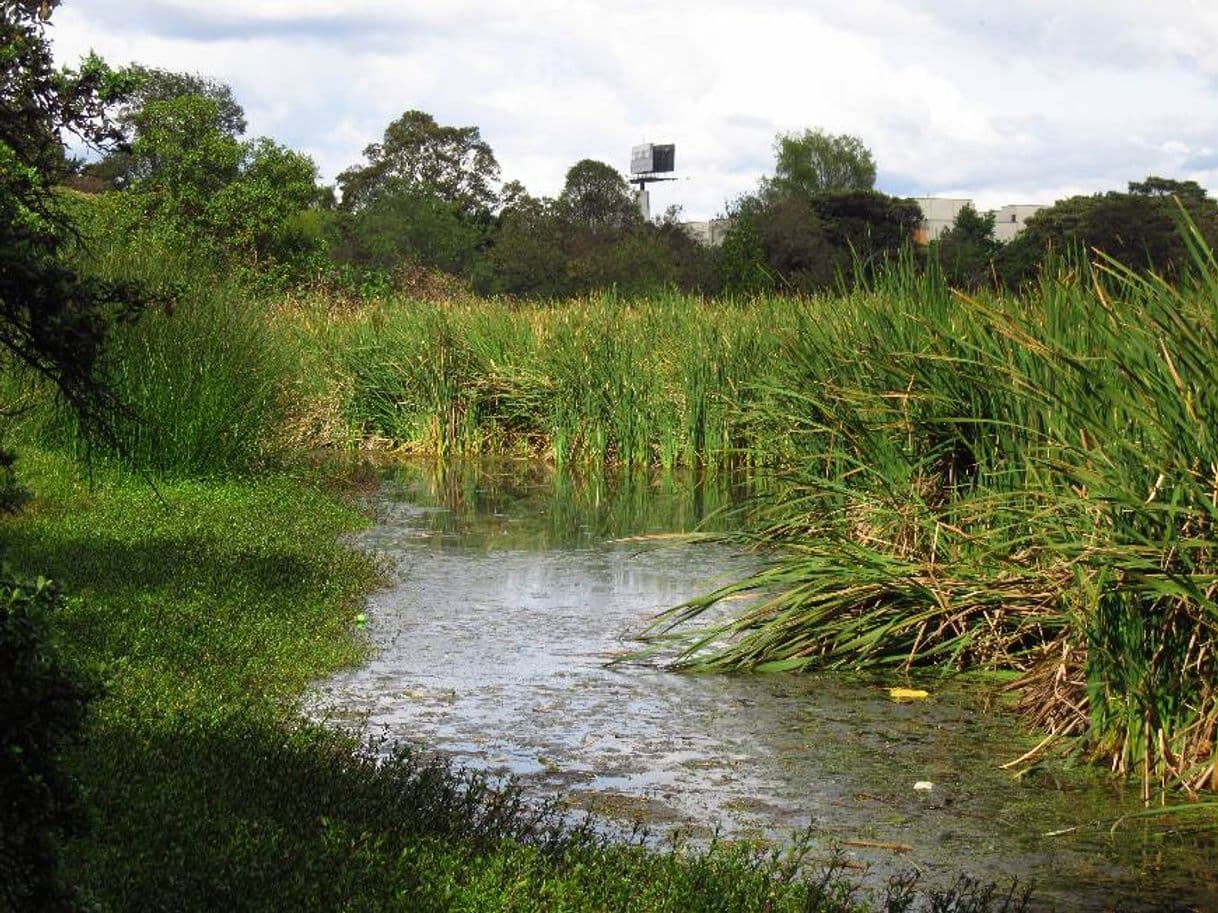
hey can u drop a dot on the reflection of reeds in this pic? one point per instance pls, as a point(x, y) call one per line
point(525, 504)
point(1028, 484)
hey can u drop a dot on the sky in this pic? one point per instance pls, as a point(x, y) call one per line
point(1015, 101)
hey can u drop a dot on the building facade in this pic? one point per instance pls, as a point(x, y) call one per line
point(939, 214)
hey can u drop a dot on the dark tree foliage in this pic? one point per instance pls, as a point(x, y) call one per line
point(51, 319)
point(870, 224)
point(807, 243)
point(816, 221)
point(1189, 191)
point(591, 238)
point(692, 263)
point(44, 703)
point(605, 240)
point(597, 199)
point(527, 256)
point(415, 228)
point(1140, 229)
point(797, 247)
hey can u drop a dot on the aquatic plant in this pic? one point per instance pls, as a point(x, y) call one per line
point(1026, 483)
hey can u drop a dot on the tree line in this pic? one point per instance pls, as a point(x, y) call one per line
point(428, 198)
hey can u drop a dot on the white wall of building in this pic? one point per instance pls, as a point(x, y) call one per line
point(938, 215)
point(1009, 220)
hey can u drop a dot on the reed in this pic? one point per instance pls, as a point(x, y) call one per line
point(597, 380)
point(205, 389)
point(1024, 483)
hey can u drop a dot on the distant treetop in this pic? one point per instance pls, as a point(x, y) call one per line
point(818, 162)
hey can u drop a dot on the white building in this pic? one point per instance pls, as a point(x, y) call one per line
point(938, 215)
point(708, 233)
point(1009, 220)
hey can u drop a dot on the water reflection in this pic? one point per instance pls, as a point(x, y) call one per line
point(513, 585)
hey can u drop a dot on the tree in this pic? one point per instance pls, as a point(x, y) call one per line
point(418, 156)
point(51, 319)
point(966, 251)
point(528, 254)
point(596, 198)
point(259, 217)
point(155, 86)
point(867, 224)
point(818, 162)
point(742, 264)
point(182, 157)
point(798, 251)
point(1139, 229)
point(242, 201)
point(414, 228)
point(1166, 187)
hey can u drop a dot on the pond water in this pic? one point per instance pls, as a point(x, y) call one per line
point(513, 587)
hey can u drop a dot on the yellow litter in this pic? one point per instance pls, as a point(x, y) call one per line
point(908, 694)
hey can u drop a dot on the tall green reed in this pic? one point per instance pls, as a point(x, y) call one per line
point(1024, 483)
point(593, 380)
point(204, 389)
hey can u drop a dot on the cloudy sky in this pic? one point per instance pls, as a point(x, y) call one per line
point(1004, 102)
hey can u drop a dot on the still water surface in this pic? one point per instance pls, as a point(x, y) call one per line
point(513, 587)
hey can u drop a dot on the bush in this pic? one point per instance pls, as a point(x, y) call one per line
point(44, 701)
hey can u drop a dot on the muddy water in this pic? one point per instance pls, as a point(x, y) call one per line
point(513, 588)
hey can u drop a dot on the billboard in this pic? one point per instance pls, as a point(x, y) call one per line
point(651, 158)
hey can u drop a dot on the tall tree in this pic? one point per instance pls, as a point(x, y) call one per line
point(418, 155)
point(240, 200)
point(154, 86)
point(597, 198)
point(815, 162)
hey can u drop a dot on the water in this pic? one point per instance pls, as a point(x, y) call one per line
point(511, 590)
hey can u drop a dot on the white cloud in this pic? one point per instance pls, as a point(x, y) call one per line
point(1030, 99)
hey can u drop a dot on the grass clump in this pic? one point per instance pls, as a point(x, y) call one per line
point(1020, 483)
